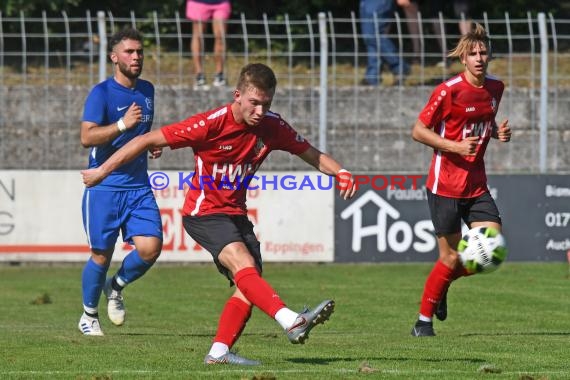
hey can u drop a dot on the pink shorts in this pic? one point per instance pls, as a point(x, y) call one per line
point(201, 12)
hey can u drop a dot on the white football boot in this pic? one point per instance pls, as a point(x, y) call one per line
point(89, 326)
point(115, 305)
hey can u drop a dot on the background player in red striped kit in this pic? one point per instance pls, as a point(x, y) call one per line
point(230, 142)
point(457, 122)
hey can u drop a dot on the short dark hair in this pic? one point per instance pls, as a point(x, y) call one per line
point(124, 34)
point(257, 75)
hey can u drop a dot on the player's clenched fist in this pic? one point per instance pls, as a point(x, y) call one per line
point(92, 177)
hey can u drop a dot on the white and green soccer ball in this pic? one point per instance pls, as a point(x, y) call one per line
point(482, 249)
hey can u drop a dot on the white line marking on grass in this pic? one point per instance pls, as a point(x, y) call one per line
point(263, 369)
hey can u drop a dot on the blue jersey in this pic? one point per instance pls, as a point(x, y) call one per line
point(106, 104)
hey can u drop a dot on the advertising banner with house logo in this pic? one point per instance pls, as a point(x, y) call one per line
point(386, 223)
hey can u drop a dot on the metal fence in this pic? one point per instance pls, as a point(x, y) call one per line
point(48, 64)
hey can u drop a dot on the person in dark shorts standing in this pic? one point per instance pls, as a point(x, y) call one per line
point(457, 122)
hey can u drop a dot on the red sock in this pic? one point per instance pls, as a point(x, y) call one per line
point(460, 271)
point(258, 291)
point(232, 321)
point(436, 284)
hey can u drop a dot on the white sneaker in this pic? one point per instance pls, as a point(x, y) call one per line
point(219, 80)
point(89, 326)
point(200, 83)
point(115, 306)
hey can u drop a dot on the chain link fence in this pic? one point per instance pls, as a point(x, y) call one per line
point(48, 65)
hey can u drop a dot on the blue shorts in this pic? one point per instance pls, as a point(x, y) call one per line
point(133, 212)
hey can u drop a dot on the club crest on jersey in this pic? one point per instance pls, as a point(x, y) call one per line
point(259, 146)
point(148, 102)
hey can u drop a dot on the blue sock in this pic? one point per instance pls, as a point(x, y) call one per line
point(92, 281)
point(133, 267)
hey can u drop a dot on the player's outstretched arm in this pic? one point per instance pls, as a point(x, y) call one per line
point(131, 150)
point(329, 166)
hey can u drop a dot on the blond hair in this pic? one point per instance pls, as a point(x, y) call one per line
point(476, 36)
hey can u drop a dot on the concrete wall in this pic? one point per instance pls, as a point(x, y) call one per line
point(368, 128)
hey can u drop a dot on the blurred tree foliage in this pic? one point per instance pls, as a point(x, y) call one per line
point(296, 9)
point(253, 10)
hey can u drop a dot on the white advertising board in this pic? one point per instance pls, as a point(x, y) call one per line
point(40, 217)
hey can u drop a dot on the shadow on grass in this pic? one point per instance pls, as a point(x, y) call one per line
point(190, 334)
point(322, 361)
point(528, 333)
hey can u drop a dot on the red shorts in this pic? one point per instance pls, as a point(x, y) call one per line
point(201, 12)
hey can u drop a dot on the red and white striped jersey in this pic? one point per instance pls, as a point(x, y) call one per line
point(456, 110)
point(226, 156)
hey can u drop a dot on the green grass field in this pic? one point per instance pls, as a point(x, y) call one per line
point(512, 324)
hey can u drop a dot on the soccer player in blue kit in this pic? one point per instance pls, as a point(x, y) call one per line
point(117, 110)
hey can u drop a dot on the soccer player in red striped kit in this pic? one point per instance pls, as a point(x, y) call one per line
point(230, 142)
point(457, 122)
